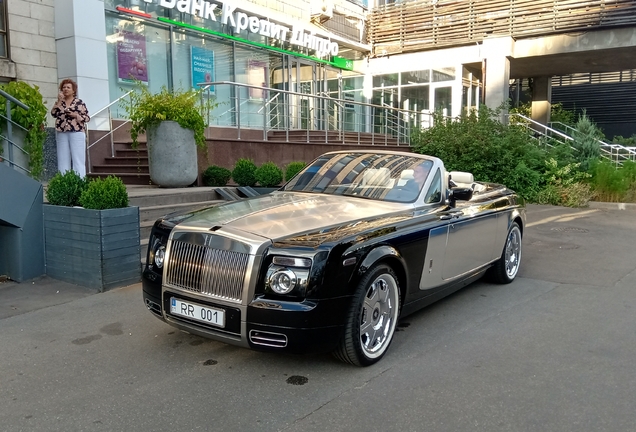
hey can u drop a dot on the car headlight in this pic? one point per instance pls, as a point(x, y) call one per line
point(160, 256)
point(288, 276)
point(157, 255)
point(283, 281)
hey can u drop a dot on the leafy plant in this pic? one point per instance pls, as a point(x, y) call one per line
point(146, 109)
point(33, 120)
point(269, 175)
point(244, 172)
point(65, 189)
point(611, 184)
point(293, 168)
point(216, 176)
point(565, 185)
point(108, 193)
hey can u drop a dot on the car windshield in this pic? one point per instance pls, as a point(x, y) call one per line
point(385, 177)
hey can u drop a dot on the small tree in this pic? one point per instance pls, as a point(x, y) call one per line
point(586, 140)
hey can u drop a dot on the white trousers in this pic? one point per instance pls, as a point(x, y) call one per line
point(71, 152)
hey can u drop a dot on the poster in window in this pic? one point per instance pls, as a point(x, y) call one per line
point(257, 76)
point(132, 63)
point(202, 66)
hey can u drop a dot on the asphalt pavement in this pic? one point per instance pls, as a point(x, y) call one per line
point(553, 351)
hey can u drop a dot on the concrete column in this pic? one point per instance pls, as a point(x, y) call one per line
point(541, 98)
point(80, 39)
point(497, 52)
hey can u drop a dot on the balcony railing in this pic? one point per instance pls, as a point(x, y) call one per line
point(421, 24)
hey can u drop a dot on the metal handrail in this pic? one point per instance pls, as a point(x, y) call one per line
point(399, 131)
point(615, 153)
point(10, 123)
point(111, 131)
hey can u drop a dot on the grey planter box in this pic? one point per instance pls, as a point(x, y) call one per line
point(93, 248)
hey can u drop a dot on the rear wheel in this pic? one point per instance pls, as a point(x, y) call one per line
point(507, 266)
point(372, 318)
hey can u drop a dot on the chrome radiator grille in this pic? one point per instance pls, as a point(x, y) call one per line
point(213, 272)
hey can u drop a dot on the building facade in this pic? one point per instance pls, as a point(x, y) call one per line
point(420, 55)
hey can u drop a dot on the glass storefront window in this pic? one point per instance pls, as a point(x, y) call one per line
point(387, 80)
point(444, 100)
point(136, 51)
point(444, 74)
point(416, 77)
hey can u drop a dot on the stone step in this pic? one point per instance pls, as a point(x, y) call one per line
point(121, 168)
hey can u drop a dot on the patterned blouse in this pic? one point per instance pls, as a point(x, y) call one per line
point(64, 123)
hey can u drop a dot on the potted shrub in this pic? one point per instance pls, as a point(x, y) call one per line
point(216, 176)
point(174, 127)
point(97, 244)
point(32, 137)
point(244, 172)
point(293, 168)
point(268, 176)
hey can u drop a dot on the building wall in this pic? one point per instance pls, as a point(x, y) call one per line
point(32, 46)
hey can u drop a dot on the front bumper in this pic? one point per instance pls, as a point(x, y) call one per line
point(266, 325)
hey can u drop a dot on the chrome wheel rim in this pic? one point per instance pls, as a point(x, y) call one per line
point(378, 315)
point(513, 252)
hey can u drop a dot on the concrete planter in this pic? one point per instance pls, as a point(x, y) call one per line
point(172, 155)
point(93, 248)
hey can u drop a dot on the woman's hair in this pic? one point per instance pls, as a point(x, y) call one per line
point(71, 82)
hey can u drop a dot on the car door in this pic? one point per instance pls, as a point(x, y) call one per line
point(471, 235)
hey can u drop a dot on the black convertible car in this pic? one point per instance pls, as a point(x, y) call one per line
point(334, 258)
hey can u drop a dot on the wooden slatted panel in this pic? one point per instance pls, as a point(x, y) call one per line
point(415, 25)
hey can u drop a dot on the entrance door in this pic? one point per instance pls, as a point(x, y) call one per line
point(302, 79)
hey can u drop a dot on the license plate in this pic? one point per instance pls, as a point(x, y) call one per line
point(208, 315)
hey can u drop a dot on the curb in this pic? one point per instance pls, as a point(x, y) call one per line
point(612, 206)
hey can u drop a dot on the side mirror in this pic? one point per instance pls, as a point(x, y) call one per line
point(462, 194)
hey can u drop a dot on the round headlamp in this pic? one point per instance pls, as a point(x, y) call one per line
point(160, 256)
point(283, 281)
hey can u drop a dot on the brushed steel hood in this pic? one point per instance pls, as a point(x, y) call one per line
point(281, 214)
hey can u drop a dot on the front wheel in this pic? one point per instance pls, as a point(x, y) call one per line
point(372, 318)
point(507, 266)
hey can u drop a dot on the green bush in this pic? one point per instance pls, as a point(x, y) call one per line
point(108, 193)
point(65, 189)
point(33, 120)
point(293, 168)
point(491, 151)
point(216, 176)
point(244, 172)
point(565, 185)
point(269, 175)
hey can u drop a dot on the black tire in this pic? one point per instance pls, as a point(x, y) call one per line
point(507, 266)
point(372, 318)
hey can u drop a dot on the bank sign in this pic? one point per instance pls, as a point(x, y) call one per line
point(240, 21)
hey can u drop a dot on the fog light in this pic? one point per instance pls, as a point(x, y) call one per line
point(283, 281)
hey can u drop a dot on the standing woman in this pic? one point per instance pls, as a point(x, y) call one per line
point(71, 116)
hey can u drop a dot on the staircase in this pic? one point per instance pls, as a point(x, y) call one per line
point(123, 161)
point(560, 134)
